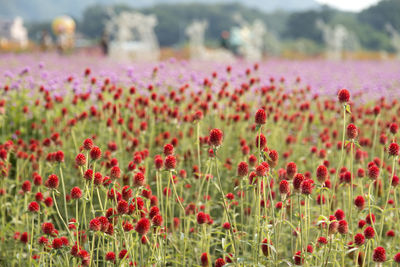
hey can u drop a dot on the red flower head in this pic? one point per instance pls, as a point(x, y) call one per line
point(52, 181)
point(298, 258)
point(284, 187)
point(157, 220)
point(88, 144)
point(215, 137)
point(322, 173)
point(351, 131)
point(261, 141)
point(95, 153)
point(219, 262)
point(48, 228)
point(110, 256)
point(393, 149)
point(168, 149)
point(373, 172)
point(95, 225)
point(80, 160)
point(291, 169)
point(139, 179)
point(33, 206)
point(201, 217)
point(359, 239)
point(115, 172)
point(260, 116)
point(265, 247)
point(379, 254)
point(142, 226)
point(204, 260)
point(306, 187)
point(343, 96)
point(242, 169)
point(369, 232)
point(393, 128)
point(76, 193)
point(59, 156)
point(297, 181)
point(359, 201)
point(170, 162)
point(396, 258)
point(339, 214)
point(343, 227)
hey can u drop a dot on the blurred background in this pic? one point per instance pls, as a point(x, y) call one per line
point(203, 29)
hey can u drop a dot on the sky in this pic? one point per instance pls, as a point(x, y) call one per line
point(349, 5)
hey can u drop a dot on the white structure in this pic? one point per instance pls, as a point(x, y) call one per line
point(337, 39)
point(195, 32)
point(134, 37)
point(252, 37)
point(14, 32)
point(395, 38)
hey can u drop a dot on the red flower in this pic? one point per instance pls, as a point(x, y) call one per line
point(33, 206)
point(373, 172)
point(343, 96)
point(122, 207)
point(76, 193)
point(242, 169)
point(359, 239)
point(359, 201)
point(343, 227)
point(201, 217)
point(261, 141)
point(265, 247)
point(88, 144)
point(298, 258)
point(59, 156)
point(339, 214)
point(168, 149)
point(322, 173)
point(95, 153)
point(115, 172)
point(219, 262)
point(393, 149)
point(48, 228)
point(110, 256)
point(57, 243)
point(138, 179)
point(379, 254)
point(157, 220)
point(142, 226)
point(306, 187)
point(204, 260)
point(215, 137)
point(351, 131)
point(170, 162)
point(260, 116)
point(52, 181)
point(369, 232)
point(284, 187)
point(396, 258)
point(291, 169)
point(80, 159)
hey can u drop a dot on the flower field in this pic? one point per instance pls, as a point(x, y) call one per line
point(194, 164)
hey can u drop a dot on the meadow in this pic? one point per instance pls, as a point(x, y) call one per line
point(178, 163)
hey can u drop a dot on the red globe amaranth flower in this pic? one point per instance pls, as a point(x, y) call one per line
point(393, 149)
point(219, 262)
point(393, 128)
point(351, 131)
point(215, 137)
point(80, 159)
point(261, 141)
point(339, 214)
point(242, 169)
point(95, 225)
point(359, 201)
point(379, 254)
point(265, 247)
point(373, 172)
point(322, 240)
point(139, 179)
point(52, 182)
point(95, 153)
point(298, 258)
point(110, 256)
point(76, 193)
point(88, 144)
point(343, 96)
point(157, 220)
point(168, 149)
point(284, 187)
point(370, 218)
point(359, 239)
point(369, 232)
point(306, 187)
point(297, 181)
point(142, 226)
point(322, 173)
point(57, 243)
point(204, 259)
point(260, 117)
point(343, 227)
point(115, 172)
point(201, 217)
point(291, 169)
point(396, 258)
point(33, 207)
point(170, 162)
point(47, 228)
